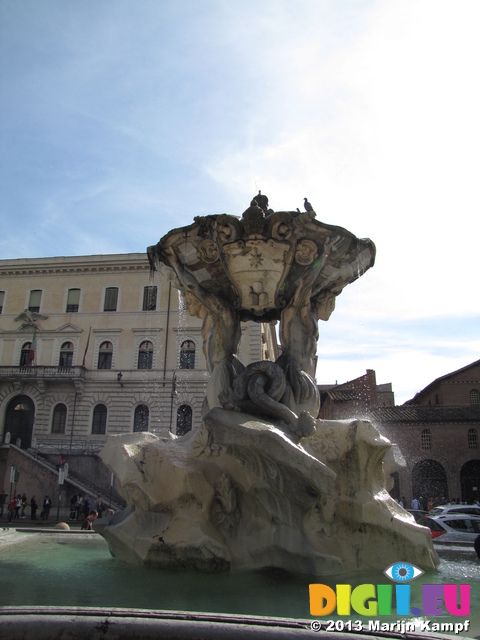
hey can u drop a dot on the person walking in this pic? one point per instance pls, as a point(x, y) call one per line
point(79, 506)
point(47, 505)
point(18, 506)
point(73, 512)
point(87, 505)
point(3, 497)
point(24, 504)
point(100, 506)
point(33, 508)
point(11, 507)
point(476, 546)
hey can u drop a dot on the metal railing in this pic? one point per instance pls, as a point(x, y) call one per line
point(73, 445)
point(76, 372)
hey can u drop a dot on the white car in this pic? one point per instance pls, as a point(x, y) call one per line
point(454, 509)
point(458, 528)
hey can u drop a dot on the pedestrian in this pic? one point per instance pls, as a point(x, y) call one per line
point(415, 504)
point(87, 523)
point(18, 506)
point(24, 504)
point(47, 505)
point(476, 546)
point(87, 505)
point(3, 497)
point(73, 511)
point(79, 506)
point(100, 506)
point(33, 508)
point(11, 507)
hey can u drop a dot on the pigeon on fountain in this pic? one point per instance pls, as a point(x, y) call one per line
point(307, 205)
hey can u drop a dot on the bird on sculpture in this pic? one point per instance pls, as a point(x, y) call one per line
point(307, 205)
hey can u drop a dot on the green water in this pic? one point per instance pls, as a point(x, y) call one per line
point(71, 570)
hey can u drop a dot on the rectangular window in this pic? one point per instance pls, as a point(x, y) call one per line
point(59, 419)
point(73, 300)
point(111, 297)
point(2, 298)
point(149, 298)
point(34, 302)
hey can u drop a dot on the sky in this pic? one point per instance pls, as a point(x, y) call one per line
point(122, 119)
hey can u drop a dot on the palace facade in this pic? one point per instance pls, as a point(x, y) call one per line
point(97, 345)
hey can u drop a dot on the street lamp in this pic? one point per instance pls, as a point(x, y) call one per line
point(172, 396)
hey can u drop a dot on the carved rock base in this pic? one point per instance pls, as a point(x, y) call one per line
point(238, 494)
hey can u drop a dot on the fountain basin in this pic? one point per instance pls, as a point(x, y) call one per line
point(54, 583)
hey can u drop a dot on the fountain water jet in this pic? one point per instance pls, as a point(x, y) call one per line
point(262, 482)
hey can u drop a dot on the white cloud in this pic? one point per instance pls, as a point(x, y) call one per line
point(123, 120)
point(389, 150)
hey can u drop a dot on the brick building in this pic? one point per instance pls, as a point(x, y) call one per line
point(436, 431)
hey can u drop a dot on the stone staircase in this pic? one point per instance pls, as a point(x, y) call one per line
point(86, 487)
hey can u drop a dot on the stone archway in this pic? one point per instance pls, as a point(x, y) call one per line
point(470, 481)
point(429, 480)
point(19, 419)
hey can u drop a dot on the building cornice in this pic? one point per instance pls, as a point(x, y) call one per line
point(115, 263)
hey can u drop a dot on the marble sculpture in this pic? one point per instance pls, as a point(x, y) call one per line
point(262, 482)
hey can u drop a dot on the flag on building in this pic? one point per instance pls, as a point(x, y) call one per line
point(86, 348)
point(33, 348)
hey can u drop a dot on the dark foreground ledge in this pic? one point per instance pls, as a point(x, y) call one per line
point(72, 623)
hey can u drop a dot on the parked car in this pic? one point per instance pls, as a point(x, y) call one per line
point(454, 509)
point(422, 517)
point(418, 514)
point(457, 528)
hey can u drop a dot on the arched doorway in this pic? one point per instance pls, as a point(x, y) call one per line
point(19, 420)
point(470, 481)
point(429, 480)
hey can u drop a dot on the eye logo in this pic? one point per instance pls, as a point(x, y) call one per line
point(402, 572)
point(379, 600)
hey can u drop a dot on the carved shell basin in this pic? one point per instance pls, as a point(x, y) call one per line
point(257, 261)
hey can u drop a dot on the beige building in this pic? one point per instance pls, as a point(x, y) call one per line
point(97, 345)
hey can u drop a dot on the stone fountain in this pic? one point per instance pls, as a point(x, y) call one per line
point(262, 482)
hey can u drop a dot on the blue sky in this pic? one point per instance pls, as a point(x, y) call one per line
point(121, 119)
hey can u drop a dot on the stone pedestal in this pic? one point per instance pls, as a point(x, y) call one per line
point(240, 494)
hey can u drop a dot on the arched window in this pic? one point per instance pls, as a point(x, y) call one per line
point(99, 422)
point(474, 398)
point(472, 437)
point(187, 355)
point(105, 356)
point(27, 355)
point(140, 420)
point(66, 355)
point(59, 418)
point(426, 439)
point(184, 419)
point(145, 355)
